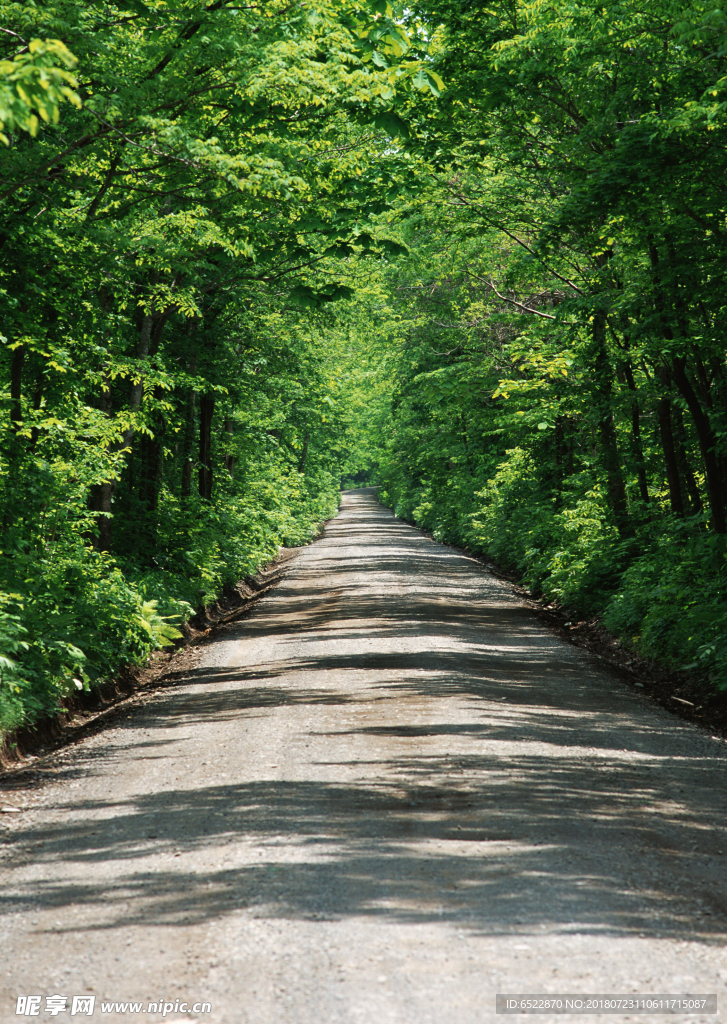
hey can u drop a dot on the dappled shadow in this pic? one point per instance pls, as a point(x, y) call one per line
point(504, 705)
point(501, 856)
point(479, 768)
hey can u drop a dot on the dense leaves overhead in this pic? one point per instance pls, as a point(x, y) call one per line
point(562, 393)
point(183, 187)
point(248, 250)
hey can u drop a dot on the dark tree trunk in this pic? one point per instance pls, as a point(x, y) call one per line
point(636, 446)
point(703, 383)
point(670, 457)
point(190, 418)
point(105, 497)
point(186, 486)
point(561, 457)
point(150, 469)
point(37, 402)
point(151, 466)
point(142, 352)
point(569, 436)
point(229, 457)
point(16, 387)
point(304, 455)
point(188, 444)
point(607, 430)
point(720, 382)
point(206, 412)
point(160, 322)
point(100, 501)
point(690, 480)
point(707, 444)
point(102, 495)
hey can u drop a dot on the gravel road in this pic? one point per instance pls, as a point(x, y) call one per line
point(385, 796)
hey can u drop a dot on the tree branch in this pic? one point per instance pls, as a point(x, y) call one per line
point(514, 302)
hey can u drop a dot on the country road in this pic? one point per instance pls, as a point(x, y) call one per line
point(385, 796)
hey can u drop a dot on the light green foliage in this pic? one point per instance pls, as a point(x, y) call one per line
point(361, 344)
point(185, 186)
point(158, 627)
point(474, 253)
point(506, 417)
point(32, 84)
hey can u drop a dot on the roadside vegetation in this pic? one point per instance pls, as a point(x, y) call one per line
point(182, 183)
point(475, 255)
point(560, 400)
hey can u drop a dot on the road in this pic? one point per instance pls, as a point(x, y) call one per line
point(385, 796)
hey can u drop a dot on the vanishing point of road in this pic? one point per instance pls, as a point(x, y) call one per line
point(386, 795)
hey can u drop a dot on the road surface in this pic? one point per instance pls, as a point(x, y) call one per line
point(387, 795)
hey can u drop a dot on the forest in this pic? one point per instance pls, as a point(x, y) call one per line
point(252, 254)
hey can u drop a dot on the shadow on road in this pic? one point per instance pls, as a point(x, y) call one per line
point(502, 835)
point(335, 850)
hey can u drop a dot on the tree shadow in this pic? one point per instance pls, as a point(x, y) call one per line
point(510, 854)
point(490, 768)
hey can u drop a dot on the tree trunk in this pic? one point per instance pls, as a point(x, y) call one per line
point(160, 322)
point(186, 486)
point(636, 446)
point(229, 458)
point(703, 427)
point(190, 417)
point(684, 464)
point(188, 444)
point(142, 352)
point(720, 381)
point(105, 497)
point(37, 402)
point(561, 458)
point(607, 430)
point(206, 412)
point(102, 494)
point(150, 469)
point(670, 458)
point(707, 444)
point(304, 455)
point(16, 387)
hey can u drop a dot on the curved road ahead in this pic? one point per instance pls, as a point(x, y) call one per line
point(385, 796)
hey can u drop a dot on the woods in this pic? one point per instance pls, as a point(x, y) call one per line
point(178, 182)
point(566, 361)
point(477, 255)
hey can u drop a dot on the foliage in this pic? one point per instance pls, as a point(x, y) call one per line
point(561, 394)
point(572, 447)
point(32, 82)
point(184, 186)
point(476, 254)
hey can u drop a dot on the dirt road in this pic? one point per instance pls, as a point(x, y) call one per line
point(386, 796)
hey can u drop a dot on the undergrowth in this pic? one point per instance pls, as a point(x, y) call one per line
point(663, 592)
point(71, 616)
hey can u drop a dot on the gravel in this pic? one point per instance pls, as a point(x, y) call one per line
point(385, 796)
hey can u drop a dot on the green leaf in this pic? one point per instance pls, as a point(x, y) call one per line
point(391, 247)
point(392, 124)
point(311, 298)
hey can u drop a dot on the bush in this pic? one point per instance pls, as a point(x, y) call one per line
point(672, 603)
point(71, 617)
point(663, 593)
